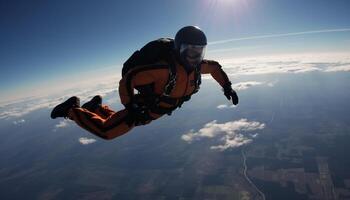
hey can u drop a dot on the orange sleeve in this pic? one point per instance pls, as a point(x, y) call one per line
point(215, 69)
point(141, 75)
point(130, 81)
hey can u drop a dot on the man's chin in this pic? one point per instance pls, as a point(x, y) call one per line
point(192, 62)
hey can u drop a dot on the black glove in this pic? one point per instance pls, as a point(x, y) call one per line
point(137, 115)
point(230, 93)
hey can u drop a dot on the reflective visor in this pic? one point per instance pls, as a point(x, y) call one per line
point(193, 54)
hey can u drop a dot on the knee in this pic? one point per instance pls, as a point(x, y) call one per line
point(143, 123)
point(103, 136)
point(110, 136)
point(115, 132)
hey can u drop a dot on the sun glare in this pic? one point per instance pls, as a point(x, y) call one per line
point(227, 1)
point(231, 5)
point(228, 12)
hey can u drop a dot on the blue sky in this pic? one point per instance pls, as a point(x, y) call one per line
point(47, 41)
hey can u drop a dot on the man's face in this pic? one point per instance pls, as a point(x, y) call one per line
point(192, 54)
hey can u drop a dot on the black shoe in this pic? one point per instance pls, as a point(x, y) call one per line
point(94, 103)
point(61, 110)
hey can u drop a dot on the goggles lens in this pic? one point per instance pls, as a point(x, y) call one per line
point(194, 54)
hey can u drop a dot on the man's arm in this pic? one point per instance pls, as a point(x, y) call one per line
point(130, 81)
point(215, 69)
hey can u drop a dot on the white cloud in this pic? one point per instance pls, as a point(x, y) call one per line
point(86, 141)
point(222, 106)
point(230, 134)
point(18, 122)
point(225, 106)
point(272, 84)
point(206, 77)
point(62, 124)
point(245, 85)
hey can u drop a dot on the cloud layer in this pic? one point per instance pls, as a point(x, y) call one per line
point(291, 63)
point(25, 106)
point(230, 134)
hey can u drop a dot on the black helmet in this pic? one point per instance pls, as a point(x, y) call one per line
point(190, 43)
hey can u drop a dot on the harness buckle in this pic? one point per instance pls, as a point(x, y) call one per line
point(170, 85)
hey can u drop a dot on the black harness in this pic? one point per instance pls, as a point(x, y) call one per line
point(152, 102)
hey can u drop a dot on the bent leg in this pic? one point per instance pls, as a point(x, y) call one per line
point(108, 128)
point(104, 111)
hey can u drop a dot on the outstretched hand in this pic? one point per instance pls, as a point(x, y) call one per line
point(230, 94)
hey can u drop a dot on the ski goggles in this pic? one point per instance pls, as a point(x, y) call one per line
point(193, 54)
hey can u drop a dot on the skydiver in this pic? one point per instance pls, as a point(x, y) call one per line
point(163, 86)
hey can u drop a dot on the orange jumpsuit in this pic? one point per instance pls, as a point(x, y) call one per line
point(108, 124)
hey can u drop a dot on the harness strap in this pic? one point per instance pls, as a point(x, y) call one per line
point(162, 110)
point(197, 78)
point(165, 97)
point(175, 102)
point(168, 100)
point(172, 76)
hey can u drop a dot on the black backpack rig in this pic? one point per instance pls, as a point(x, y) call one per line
point(153, 52)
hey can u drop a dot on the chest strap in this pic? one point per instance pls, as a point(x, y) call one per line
point(172, 76)
point(175, 102)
